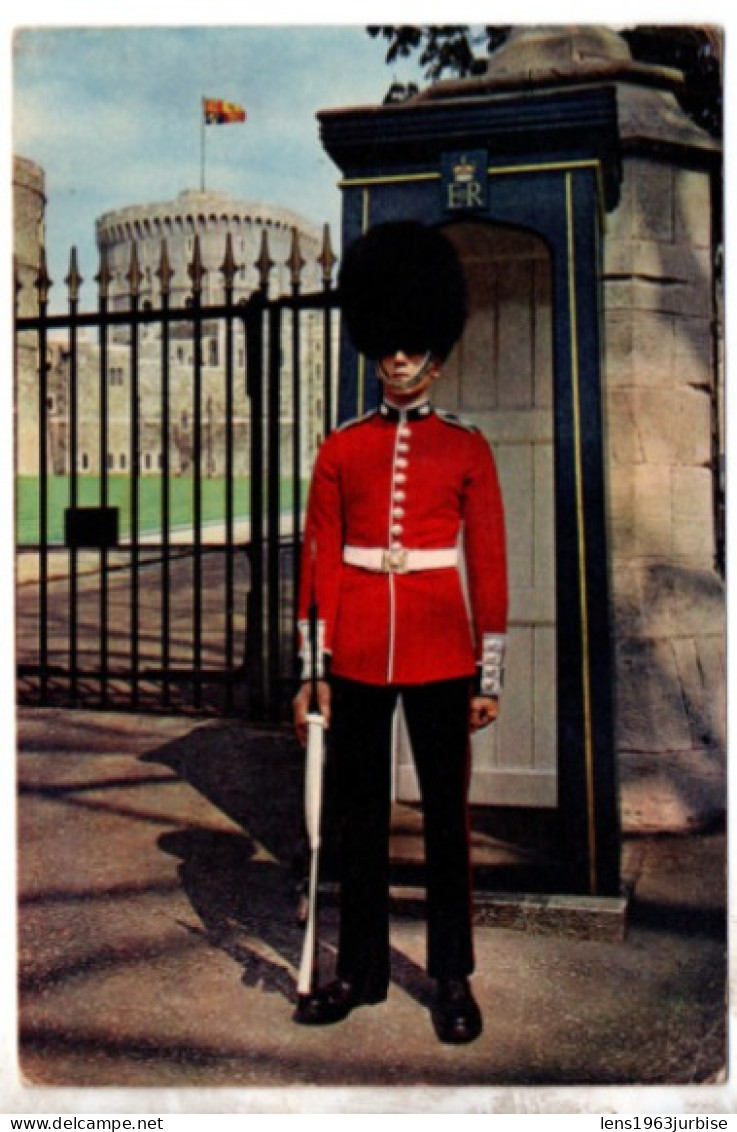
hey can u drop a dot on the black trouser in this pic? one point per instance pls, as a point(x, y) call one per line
point(361, 741)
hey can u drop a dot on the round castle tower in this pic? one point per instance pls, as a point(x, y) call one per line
point(211, 216)
point(29, 211)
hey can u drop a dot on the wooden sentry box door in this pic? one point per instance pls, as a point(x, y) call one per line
point(500, 379)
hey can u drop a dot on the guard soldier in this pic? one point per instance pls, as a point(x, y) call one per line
point(403, 502)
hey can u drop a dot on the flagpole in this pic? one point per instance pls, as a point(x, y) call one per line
point(202, 146)
point(215, 111)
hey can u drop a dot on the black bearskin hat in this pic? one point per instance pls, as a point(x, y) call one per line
point(401, 287)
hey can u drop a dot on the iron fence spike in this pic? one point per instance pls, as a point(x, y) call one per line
point(134, 271)
point(295, 261)
point(196, 270)
point(43, 281)
point(73, 279)
point(264, 262)
point(327, 258)
point(164, 271)
point(104, 275)
point(229, 265)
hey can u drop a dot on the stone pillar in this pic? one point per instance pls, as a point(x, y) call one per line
point(659, 371)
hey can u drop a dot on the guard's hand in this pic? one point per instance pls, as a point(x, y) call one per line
point(483, 711)
point(301, 707)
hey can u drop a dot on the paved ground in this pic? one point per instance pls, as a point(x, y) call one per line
point(213, 654)
point(158, 946)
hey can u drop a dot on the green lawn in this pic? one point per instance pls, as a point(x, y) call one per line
point(181, 502)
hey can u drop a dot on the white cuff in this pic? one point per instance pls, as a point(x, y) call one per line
point(493, 650)
point(306, 651)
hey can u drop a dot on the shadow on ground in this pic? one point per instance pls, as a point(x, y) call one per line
point(159, 937)
point(248, 885)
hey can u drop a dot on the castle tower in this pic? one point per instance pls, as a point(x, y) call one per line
point(211, 216)
point(29, 210)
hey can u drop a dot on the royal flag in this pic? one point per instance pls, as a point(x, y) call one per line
point(219, 113)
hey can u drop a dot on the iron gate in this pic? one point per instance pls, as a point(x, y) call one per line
point(163, 585)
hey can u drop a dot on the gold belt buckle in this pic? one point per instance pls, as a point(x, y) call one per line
point(394, 560)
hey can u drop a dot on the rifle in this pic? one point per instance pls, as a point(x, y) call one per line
point(314, 763)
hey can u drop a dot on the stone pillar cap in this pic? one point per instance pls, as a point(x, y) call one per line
point(546, 58)
point(546, 55)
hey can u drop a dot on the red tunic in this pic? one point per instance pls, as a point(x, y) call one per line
point(416, 480)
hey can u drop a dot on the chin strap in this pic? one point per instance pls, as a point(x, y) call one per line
point(411, 382)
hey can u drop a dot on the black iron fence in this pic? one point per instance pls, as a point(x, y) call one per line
point(158, 528)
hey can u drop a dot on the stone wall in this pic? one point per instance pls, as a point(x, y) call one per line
point(667, 594)
point(214, 429)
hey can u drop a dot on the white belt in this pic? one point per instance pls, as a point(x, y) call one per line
point(398, 560)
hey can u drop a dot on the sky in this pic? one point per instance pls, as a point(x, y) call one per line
point(111, 107)
point(113, 116)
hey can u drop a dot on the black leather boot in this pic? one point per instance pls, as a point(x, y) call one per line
point(332, 1003)
point(456, 1015)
